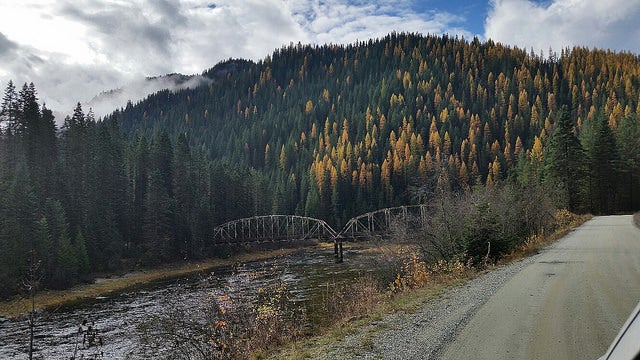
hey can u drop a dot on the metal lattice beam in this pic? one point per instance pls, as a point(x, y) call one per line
point(380, 221)
point(272, 228)
point(293, 227)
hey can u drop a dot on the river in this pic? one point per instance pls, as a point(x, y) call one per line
point(306, 273)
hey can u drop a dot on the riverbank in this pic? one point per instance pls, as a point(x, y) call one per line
point(388, 321)
point(50, 300)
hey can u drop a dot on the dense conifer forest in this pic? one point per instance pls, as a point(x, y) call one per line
point(326, 131)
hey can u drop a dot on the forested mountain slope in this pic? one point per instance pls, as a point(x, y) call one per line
point(334, 131)
point(326, 131)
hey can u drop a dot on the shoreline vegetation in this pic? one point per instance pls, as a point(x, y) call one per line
point(51, 300)
point(428, 282)
point(416, 284)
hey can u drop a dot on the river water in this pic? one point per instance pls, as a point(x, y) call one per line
point(306, 273)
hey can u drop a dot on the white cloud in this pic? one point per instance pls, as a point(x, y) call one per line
point(106, 102)
point(337, 21)
point(611, 24)
point(75, 49)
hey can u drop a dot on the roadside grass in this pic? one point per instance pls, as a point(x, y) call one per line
point(51, 300)
point(415, 286)
point(368, 324)
point(565, 223)
point(364, 311)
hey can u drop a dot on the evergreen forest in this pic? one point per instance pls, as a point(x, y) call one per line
point(329, 131)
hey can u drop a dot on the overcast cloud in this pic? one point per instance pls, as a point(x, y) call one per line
point(75, 49)
point(610, 24)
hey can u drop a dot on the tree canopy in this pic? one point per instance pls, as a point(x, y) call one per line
point(329, 131)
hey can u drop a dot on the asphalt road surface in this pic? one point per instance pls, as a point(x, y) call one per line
point(568, 304)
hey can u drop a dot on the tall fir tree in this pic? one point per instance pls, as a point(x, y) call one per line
point(602, 166)
point(628, 145)
point(564, 164)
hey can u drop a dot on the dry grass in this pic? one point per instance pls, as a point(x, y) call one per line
point(364, 315)
point(355, 306)
point(416, 284)
point(347, 302)
point(55, 299)
point(416, 273)
point(565, 222)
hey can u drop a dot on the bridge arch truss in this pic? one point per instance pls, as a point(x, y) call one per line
point(272, 228)
point(382, 221)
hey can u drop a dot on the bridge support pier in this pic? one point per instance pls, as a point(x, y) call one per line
point(337, 247)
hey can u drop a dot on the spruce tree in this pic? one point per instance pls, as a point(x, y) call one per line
point(184, 196)
point(80, 253)
point(628, 144)
point(564, 164)
point(9, 109)
point(602, 157)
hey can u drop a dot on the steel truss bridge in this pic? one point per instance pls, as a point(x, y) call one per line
point(385, 221)
point(272, 228)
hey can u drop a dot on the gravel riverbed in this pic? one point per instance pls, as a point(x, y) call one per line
point(425, 332)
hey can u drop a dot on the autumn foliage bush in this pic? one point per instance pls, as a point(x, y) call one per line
point(563, 221)
point(484, 225)
point(417, 273)
point(343, 302)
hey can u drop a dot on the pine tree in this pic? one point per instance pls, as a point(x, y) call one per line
point(75, 159)
point(628, 145)
point(564, 163)
point(139, 164)
point(19, 230)
point(158, 222)
point(28, 114)
point(183, 185)
point(66, 270)
point(159, 242)
point(105, 198)
point(9, 110)
point(602, 157)
point(80, 254)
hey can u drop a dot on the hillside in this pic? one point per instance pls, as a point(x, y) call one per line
point(324, 131)
point(334, 131)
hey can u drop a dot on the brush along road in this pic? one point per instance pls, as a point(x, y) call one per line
point(569, 303)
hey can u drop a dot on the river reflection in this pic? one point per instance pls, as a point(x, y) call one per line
point(306, 273)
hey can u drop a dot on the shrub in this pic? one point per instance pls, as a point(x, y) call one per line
point(483, 225)
point(563, 218)
point(417, 273)
point(351, 300)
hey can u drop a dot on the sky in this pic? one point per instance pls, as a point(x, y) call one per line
point(72, 50)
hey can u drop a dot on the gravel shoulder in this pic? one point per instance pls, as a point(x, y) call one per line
point(562, 299)
point(568, 304)
point(424, 332)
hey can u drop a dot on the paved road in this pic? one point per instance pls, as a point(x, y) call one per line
point(568, 304)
